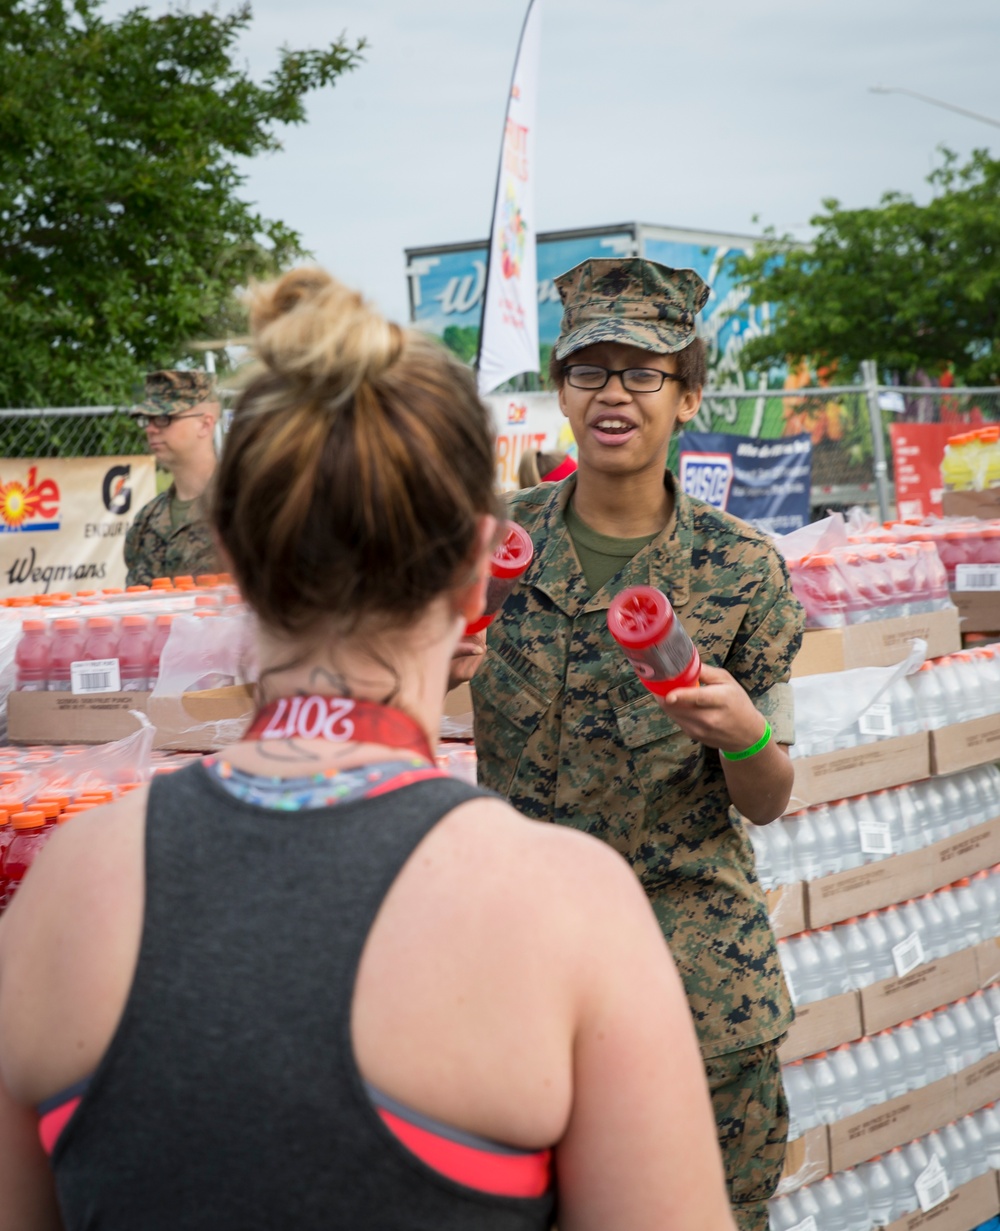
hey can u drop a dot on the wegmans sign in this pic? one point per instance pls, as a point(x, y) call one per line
point(63, 521)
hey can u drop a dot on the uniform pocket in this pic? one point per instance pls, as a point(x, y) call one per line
point(664, 757)
point(510, 696)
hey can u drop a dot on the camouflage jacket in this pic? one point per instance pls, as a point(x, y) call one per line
point(567, 733)
point(154, 549)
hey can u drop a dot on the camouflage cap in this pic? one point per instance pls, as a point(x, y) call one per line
point(627, 299)
point(168, 393)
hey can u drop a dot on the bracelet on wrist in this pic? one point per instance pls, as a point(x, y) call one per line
point(752, 751)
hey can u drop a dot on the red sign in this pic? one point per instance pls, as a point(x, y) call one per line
point(917, 450)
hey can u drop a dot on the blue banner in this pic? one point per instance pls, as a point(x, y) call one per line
point(765, 482)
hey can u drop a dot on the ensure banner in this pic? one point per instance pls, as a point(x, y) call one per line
point(766, 482)
point(508, 344)
point(63, 521)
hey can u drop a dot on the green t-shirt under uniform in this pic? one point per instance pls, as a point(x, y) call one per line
point(601, 556)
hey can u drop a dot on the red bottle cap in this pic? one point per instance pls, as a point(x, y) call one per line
point(640, 617)
point(513, 554)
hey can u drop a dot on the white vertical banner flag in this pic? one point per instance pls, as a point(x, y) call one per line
point(508, 336)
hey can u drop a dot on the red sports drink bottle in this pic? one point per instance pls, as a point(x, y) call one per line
point(643, 623)
point(32, 657)
point(509, 560)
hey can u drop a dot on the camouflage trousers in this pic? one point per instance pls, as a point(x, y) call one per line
point(751, 1115)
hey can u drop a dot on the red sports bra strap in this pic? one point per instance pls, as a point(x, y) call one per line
point(339, 720)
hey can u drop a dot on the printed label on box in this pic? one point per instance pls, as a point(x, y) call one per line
point(932, 1185)
point(977, 577)
point(877, 719)
point(98, 675)
point(876, 838)
point(908, 954)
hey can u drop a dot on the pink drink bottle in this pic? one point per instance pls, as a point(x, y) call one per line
point(161, 632)
point(67, 648)
point(510, 559)
point(643, 623)
point(101, 640)
point(134, 648)
point(32, 657)
point(31, 832)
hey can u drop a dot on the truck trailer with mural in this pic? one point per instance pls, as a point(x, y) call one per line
point(447, 282)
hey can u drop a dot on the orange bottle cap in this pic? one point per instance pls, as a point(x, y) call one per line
point(28, 820)
point(100, 622)
point(135, 621)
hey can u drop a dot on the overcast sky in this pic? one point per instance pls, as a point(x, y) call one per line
point(697, 115)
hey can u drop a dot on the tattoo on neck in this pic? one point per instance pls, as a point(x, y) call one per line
point(284, 750)
point(333, 680)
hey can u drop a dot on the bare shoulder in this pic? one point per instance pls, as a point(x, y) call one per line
point(559, 870)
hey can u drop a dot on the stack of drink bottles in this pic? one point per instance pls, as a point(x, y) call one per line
point(971, 461)
point(958, 540)
point(846, 833)
point(882, 944)
point(919, 1175)
point(122, 634)
point(862, 582)
point(833, 1085)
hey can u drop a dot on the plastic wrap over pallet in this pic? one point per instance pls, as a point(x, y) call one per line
point(124, 761)
point(848, 708)
point(203, 695)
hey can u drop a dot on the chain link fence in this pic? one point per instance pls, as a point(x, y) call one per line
point(840, 424)
point(838, 419)
point(73, 431)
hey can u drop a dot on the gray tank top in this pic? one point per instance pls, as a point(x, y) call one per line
point(228, 1099)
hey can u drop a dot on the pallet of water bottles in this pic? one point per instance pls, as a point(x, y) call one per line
point(180, 650)
point(876, 727)
point(945, 1180)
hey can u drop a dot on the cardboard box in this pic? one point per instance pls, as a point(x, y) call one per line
point(66, 718)
point(965, 744)
point(985, 505)
point(928, 987)
point(456, 720)
point(874, 885)
point(890, 1124)
point(882, 643)
point(195, 722)
point(201, 721)
point(977, 1085)
point(786, 906)
point(969, 1206)
point(855, 771)
point(870, 887)
point(822, 1025)
point(978, 610)
point(988, 961)
point(807, 1159)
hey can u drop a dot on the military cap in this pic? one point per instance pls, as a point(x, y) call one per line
point(640, 303)
point(168, 393)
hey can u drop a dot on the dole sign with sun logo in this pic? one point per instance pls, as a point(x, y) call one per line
point(29, 505)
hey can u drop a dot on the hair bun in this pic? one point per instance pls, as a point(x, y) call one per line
point(311, 329)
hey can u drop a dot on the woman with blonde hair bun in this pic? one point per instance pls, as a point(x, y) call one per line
point(312, 981)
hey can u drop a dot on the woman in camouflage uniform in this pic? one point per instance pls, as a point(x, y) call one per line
point(566, 731)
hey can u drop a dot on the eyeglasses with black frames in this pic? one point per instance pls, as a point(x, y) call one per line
point(161, 422)
point(635, 380)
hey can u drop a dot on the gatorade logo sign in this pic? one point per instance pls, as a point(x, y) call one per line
point(116, 491)
point(31, 504)
point(707, 476)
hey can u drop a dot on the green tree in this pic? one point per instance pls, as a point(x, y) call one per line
point(914, 287)
point(123, 238)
